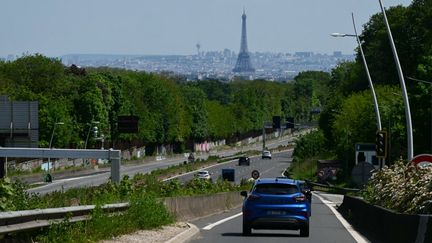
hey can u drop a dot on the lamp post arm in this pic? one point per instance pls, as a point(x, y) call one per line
point(377, 112)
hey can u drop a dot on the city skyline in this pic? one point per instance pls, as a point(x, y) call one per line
point(56, 28)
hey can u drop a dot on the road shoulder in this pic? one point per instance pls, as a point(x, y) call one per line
point(175, 233)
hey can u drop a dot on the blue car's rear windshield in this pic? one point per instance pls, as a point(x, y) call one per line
point(276, 188)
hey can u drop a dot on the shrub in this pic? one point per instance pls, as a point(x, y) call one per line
point(401, 188)
point(309, 145)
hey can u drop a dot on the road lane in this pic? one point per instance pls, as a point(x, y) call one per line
point(324, 225)
point(131, 170)
point(104, 174)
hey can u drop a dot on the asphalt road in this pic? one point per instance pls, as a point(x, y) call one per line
point(102, 177)
point(281, 159)
point(324, 225)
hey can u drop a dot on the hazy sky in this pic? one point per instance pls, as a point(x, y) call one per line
point(58, 27)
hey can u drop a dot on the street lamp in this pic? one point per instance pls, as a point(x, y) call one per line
point(90, 129)
point(49, 178)
point(410, 154)
point(377, 112)
point(52, 134)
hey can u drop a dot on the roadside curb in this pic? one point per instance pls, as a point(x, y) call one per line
point(185, 235)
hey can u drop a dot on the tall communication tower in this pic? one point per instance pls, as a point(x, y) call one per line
point(243, 64)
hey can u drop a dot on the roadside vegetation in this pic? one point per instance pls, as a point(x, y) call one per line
point(347, 114)
point(405, 189)
point(309, 148)
point(144, 192)
point(145, 212)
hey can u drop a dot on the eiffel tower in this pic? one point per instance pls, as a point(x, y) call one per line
point(243, 64)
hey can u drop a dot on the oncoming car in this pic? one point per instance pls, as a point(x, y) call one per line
point(276, 203)
point(203, 174)
point(266, 154)
point(244, 160)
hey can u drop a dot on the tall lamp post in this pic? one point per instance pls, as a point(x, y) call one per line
point(91, 128)
point(410, 154)
point(49, 178)
point(377, 112)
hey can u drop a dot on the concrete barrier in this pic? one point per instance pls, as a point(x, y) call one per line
point(192, 207)
point(386, 225)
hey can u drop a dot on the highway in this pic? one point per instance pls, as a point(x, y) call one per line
point(130, 170)
point(324, 224)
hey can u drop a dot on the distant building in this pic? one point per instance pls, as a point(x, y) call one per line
point(303, 54)
point(337, 54)
point(243, 64)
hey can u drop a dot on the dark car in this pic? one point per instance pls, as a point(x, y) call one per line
point(306, 190)
point(244, 160)
point(276, 203)
point(191, 158)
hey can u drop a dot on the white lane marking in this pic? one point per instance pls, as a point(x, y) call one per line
point(59, 181)
point(192, 172)
point(357, 237)
point(210, 226)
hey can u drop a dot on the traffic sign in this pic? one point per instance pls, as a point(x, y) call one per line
point(255, 174)
point(422, 160)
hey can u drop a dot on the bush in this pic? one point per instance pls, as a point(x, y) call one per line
point(401, 188)
point(309, 145)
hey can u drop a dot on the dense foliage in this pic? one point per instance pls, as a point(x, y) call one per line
point(309, 145)
point(349, 116)
point(170, 111)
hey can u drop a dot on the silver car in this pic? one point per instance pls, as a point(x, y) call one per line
point(266, 154)
point(203, 174)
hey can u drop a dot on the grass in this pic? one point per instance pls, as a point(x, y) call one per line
point(303, 170)
point(145, 212)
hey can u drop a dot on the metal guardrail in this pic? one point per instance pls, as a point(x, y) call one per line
point(17, 221)
point(328, 188)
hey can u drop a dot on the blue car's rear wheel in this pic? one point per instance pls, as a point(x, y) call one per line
point(247, 230)
point(304, 231)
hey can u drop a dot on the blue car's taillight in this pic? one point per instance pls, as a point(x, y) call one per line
point(301, 198)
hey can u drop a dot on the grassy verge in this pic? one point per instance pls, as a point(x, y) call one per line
point(303, 169)
point(145, 212)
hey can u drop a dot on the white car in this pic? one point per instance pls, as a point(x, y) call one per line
point(203, 174)
point(266, 154)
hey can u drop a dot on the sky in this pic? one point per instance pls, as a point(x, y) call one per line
point(163, 27)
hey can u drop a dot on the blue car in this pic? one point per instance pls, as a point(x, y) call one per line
point(276, 203)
